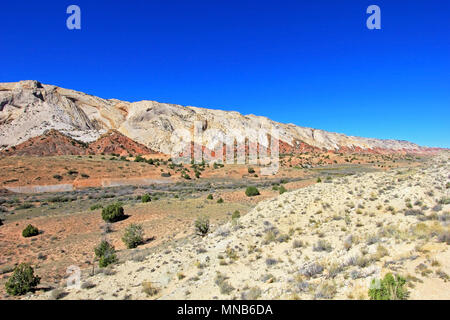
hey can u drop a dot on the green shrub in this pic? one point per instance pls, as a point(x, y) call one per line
point(133, 236)
point(251, 170)
point(59, 199)
point(114, 212)
point(319, 180)
point(202, 225)
point(251, 192)
point(58, 177)
point(220, 200)
point(282, 189)
point(185, 176)
point(389, 288)
point(139, 159)
point(236, 215)
point(25, 205)
point(105, 253)
point(30, 231)
point(22, 280)
point(210, 197)
point(96, 206)
point(146, 198)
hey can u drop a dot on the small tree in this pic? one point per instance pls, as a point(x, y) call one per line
point(202, 225)
point(251, 192)
point(105, 253)
point(251, 170)
point(185, 176)
point(282, 189)
point(146, 198)
point(210, 197)
point(220, 200)
point(114, 212)
point(133, 236)
point(22, 280)
point(236, 215)
point(30, 231)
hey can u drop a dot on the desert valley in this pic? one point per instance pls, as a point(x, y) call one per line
point(93, 183)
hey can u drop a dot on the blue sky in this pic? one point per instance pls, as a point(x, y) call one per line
point(312, 63)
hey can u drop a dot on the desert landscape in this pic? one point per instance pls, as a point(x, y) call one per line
point(93, 183)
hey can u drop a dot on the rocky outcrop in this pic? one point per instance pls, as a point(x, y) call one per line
point(29, 108)
point(55, 143)
point(51, 143)
point(113, 142)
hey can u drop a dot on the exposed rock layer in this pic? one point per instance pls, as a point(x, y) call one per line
point(54, 143)
point(29, 108)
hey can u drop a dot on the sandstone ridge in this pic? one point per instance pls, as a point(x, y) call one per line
point(29, 108)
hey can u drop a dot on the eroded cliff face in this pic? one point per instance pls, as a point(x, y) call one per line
point(29, 108)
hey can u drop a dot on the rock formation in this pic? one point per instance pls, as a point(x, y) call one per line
point(29, 108)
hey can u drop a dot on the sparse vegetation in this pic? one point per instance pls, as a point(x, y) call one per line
point(223, 284)
point(322, 245)
point(389, 288)
point(202, 225)
point(113, 213)
point(96, 206)
point(30, 231)
point(22, 280)
point(282, 189)
point(252, 191)
point(146, 198)
point(133, 235)
point(105, 253)
point(149, 288)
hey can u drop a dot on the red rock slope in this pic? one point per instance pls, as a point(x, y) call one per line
point(55, 143)
point(113, 142)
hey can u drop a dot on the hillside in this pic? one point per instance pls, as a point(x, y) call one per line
point(29, 108)
point(113, 142)
point(324, 241)
point(50, 143)
point(54, 143)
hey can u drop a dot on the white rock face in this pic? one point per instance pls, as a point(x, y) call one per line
point(29, 108)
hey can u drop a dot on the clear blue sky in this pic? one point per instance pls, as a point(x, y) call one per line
point(312, 63)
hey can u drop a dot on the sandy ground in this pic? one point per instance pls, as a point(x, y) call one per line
point(97, 171)
point(323, 241)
